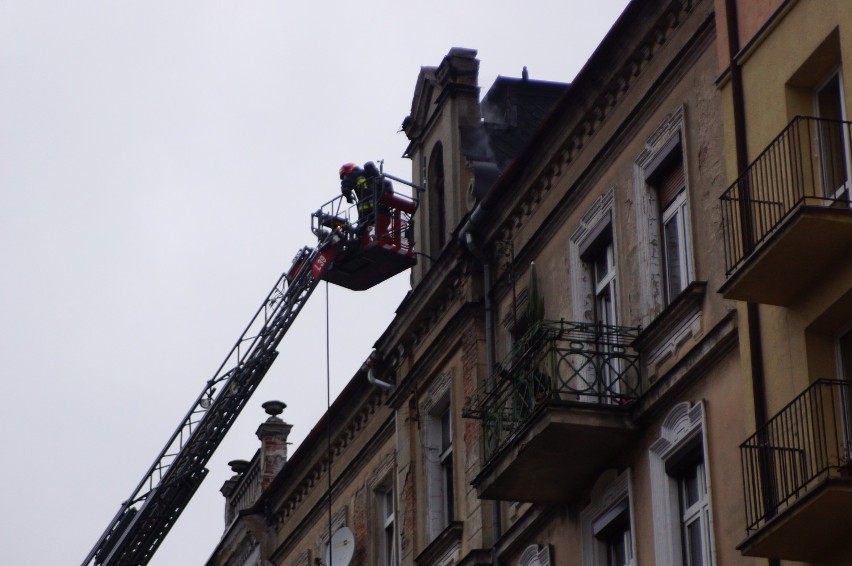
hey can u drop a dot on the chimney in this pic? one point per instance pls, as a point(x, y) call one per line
point(239, 467)
point(273, 442)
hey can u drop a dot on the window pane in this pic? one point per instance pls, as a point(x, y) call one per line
point(389, 546)
point(604, 313)
point(618, 552)
point(691, 491)
point(446, 439)
point(388, 504)
point(694, 544)
point(672, 253)
point(830, 107)
point(447, 466)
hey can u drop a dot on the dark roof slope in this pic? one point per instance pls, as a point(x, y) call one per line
point(512, 111)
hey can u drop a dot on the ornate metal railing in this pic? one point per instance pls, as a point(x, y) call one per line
point(807, 163)
point(556, 362)
point(807, 442)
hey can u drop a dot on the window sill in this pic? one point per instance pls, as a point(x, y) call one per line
point(444, 549)
point(660, 343)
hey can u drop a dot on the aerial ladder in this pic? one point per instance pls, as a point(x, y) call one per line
point(353, 250)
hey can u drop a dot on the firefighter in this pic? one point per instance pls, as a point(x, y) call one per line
point(365, 186)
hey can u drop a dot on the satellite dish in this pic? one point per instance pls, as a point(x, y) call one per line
point(342, 547)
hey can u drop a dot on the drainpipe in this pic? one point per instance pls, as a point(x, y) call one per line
point(740, 132)
point(758, 378)
point(466, 235)
point(369, 367)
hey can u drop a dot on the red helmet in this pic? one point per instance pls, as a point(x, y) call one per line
point(346, 168)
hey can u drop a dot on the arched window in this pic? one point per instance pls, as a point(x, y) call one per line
point(437, 209)
point(535, 555)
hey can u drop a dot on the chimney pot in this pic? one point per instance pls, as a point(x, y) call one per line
point(274, 408)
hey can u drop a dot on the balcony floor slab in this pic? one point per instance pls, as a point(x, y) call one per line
point(558, 453)
point(803, 248)
point(813, 529)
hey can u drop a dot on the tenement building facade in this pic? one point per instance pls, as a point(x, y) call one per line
point(787, 234)
point(628, 337)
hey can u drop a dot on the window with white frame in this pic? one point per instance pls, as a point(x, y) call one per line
point(594, 229)
point(683, 532)
point(535, 555)
point(663, 228)
point(695, 511)
point(602, 266)
point(446, 463)
point(674, 229)
point(440, 468)
point(598, 257)
point(605, 524)
point(385, 504)
point(668, 181)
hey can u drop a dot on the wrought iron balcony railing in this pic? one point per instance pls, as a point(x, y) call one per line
point(806, 164)
point(803, 445)
point(556, 362)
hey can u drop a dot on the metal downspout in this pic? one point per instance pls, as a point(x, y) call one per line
point(758, 377)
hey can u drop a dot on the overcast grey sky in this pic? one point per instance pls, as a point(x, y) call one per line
point(159, 162)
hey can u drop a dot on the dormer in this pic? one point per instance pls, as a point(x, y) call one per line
point(444, 109)
point(459, 146)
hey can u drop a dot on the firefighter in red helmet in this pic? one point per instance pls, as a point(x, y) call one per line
point(364, 186)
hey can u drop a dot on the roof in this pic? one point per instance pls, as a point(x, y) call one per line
point(512, 110)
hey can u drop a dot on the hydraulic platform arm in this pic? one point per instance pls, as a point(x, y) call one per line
point(356, 251)
point(146, 517)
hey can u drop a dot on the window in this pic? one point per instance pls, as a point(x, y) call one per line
point(618, 546)
point(387, 533)
point(844, 361)
point(602, 265)
point(535, 555)
point(599, 260)
point(436, 199)
point(663, 231)
point(674, 231)
point(695, 513)
point(680, 490)
point(833, 138)
point(446, 457)
point(440, 469)
point(589, 290)
point(668, 181)
point(675, 261)
point(606, 523)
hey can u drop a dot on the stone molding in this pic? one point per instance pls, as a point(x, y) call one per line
point(609, 97)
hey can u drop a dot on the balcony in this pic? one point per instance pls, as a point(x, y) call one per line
point(556, 411)
point(797, 474)
point(787, 219)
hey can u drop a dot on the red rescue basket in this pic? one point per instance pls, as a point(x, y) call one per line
point(368, 246)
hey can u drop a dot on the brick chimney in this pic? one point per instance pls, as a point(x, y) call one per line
point(273, 442)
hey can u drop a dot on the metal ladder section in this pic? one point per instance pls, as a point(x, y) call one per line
point(146, 517)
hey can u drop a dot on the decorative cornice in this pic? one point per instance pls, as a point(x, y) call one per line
point(425, 307)
point(443, 345)
point(296, 535)
point(610, 96)
point(312, 479)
